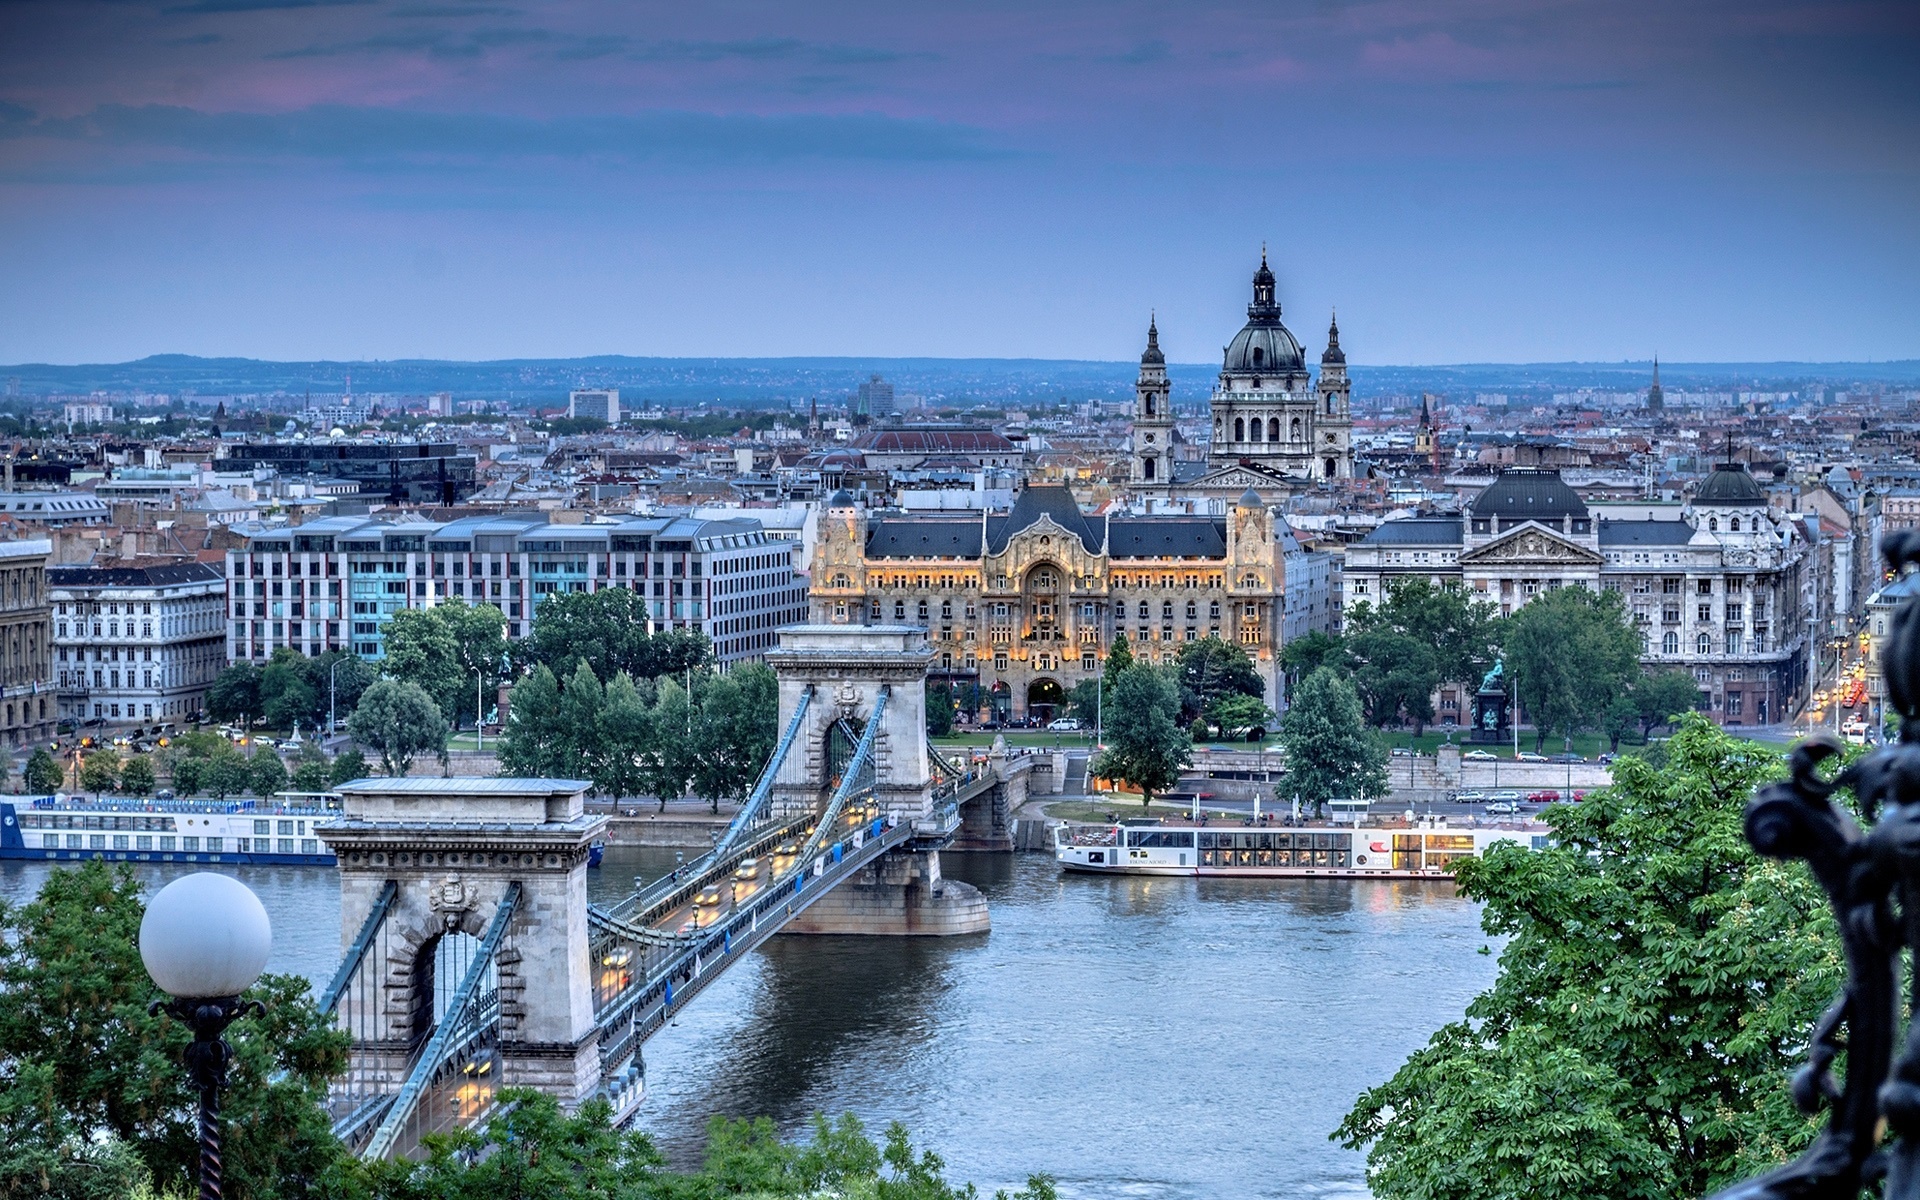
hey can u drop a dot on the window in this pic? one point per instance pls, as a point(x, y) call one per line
point(1706, 587)
point(190, 844)
point(214, 844)
point(1703, 644)
point(1733, 641)
point(1670, 643)
point(1239, 429)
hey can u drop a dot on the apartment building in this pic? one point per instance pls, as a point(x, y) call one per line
point(26, 644)
point(137, 643)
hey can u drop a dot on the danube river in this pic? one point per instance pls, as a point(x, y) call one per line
point(1135, 1037)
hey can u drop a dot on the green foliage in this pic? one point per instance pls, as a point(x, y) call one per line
point(940, 710)
point(42, 773)
point(188, 776)
point(234, 694)
point(1145, 744)
point(100, 771)
point(634, 737)
point(1658, 983)
point(287, 694)
point(1303, 656)
point(1083, 701)
point(734, 730)
point(1234, 713)
point(348, 765)
point(310, 775)
point(226, 775)
point(1331, 754)
point(1420, 636)
point(1570, 652)
point(608, 629)
point(136, 777)
point(535, 1150)
point(400, 722)
point(266, 774)
point(1663, 697)
point(1119, 659)
point(534, 739)
point(95, 1102)
point(1210, 670)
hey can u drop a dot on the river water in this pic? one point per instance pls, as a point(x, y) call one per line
point(1136, 1037)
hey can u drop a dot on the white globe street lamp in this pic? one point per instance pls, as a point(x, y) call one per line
point(205, 940)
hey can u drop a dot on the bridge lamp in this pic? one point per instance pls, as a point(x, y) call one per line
point(205, 940)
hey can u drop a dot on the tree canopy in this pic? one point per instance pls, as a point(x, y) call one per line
point(454, 651)
point(400, 722)
point(1658, 982)
point(1145, 744)
point(1419, 636)
point(1571, 652)
point(608, 629)
point(1331, 754)
point(1210, 670)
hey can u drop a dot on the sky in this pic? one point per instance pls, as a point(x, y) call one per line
point(1474, 181)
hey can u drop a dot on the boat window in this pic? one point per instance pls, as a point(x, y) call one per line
point(213, 844)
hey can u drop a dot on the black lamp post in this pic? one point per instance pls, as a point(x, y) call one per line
point(204, 940)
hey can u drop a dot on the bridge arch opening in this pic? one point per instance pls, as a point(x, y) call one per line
point(438, 967)
point(1045, 699)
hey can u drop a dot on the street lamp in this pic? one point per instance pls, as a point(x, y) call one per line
point(204, 940)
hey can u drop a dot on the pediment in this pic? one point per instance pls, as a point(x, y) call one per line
point(1240, 477)
point(1532, 543)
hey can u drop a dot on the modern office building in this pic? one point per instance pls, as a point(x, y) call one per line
point(874, 399)
point(601, 404)
point(333, 584)
point(398, 472)
point(137, 643)
point(26, 644)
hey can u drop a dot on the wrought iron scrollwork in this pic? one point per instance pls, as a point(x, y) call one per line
point(1872, 877)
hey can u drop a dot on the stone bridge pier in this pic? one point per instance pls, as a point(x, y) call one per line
point(847, 667)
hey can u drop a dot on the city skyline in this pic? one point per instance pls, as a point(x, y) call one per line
point(282, 180)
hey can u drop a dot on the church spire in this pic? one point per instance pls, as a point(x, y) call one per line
point(1153, 354)
point(1334, 354)
point(1656, 399)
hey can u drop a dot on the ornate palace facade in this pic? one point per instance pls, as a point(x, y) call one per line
point(1027, 603)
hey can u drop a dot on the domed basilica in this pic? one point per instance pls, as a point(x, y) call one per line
point(1275, 428)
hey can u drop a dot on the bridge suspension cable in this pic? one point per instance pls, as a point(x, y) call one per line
point(469, 1015)
point(357, 952)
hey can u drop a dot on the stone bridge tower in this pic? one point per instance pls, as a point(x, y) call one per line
point(847, 666)
point(453, 848)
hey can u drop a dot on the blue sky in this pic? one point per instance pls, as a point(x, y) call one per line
point(1485, 180)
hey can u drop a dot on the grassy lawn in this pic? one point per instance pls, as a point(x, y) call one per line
point(1038, 738)
point(1587, 745)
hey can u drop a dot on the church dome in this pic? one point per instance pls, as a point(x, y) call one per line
point(1730, 484)
point(1263, 345)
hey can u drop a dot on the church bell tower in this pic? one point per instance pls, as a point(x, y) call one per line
point(1152, 419)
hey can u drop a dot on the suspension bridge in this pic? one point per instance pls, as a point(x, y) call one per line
point(471, 959)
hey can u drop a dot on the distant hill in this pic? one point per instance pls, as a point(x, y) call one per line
point(758, 382)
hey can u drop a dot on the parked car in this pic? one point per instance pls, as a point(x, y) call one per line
point(1503, 807)
point(1530, 756)
point(1469, 797)
point(1505, 797)
point(1064, 725)
point(1480, 756)
point(1568, 758)
point(1604, 759)
point(1402, 752)
point(1548, 796)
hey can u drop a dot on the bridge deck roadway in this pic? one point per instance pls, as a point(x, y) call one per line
point(645, 1005)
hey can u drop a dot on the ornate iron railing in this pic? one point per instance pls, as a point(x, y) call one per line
point(1872, 876)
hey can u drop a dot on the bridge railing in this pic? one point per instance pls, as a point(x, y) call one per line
point(648, 1002)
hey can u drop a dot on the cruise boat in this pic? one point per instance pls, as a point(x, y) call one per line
point(64, 829)
point(1425, 849)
